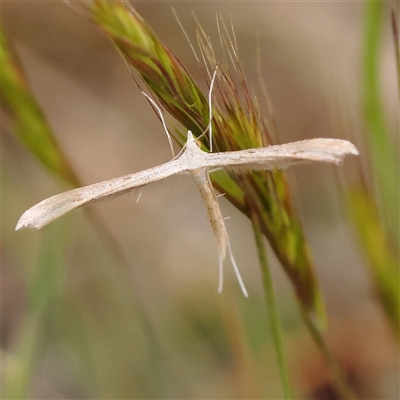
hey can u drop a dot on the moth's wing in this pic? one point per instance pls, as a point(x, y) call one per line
point(54, 207)
point(284, 155)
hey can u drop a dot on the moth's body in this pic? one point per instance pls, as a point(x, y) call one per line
point(202, 178)
point(196, 159)
point(197, 163)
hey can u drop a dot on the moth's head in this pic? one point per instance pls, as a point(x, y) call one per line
point(190, 137)
point(191, 140)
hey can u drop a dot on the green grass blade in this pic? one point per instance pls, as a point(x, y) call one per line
point(375, 211)
point(396, 43)
point(381, 253)
point(273, 311)
point(28, 122)
point(25, 117)
point(384, 155)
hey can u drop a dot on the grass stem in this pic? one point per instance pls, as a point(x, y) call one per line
point(272, 308)
point(340, 381)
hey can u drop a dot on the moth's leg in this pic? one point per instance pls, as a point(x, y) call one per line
point(221, 257)
point(236, 269)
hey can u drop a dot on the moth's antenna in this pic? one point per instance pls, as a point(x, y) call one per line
point(158, 109)
point(210, 106)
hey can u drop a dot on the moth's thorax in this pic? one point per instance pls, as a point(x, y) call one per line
point(195, 157)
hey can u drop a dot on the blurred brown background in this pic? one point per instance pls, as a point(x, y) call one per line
point(207, 345)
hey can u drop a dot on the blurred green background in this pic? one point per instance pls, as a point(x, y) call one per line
point(155, 327)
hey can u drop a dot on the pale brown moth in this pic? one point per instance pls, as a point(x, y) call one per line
point(197, 163)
